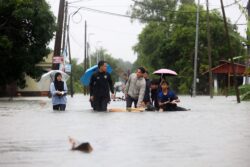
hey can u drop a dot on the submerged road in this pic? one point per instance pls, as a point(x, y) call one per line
point(215, 133)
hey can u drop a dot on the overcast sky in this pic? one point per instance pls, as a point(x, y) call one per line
point(117, 34)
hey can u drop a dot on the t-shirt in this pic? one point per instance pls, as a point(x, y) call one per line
point(170, 96)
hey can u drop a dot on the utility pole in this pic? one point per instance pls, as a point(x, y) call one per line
point(97, 55)
point(209, 54)
point(230, 53)
point(248, 39)
point(58, 40)
point(88, 48)
point(88, 54)
point(65, 26)
point(98, 52)
point(85, 47)
point(71, 73)
point(85, 55)
point(196, 49)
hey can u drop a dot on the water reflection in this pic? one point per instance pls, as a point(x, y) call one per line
point(214, 133)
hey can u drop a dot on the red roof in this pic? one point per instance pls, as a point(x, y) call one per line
point(226, 68)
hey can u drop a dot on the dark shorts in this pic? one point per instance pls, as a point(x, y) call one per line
point(174, 108)
point(130, 101)
point(60, 107)
point(100, 103)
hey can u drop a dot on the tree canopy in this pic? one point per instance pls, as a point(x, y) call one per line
point(26, 27)
point(119, 66)
point(168, 39)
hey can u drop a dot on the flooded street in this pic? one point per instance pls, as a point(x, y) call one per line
point(215, 133)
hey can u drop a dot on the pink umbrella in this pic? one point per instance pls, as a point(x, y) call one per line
point(165, 71)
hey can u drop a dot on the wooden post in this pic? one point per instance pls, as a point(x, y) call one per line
point(58, 40)
point(209, 54)
point(70, 61)
point(230, 53)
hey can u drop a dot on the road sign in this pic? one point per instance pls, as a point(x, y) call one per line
point(68, 68)
point(58, 60)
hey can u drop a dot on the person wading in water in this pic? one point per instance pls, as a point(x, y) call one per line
point(100, 86)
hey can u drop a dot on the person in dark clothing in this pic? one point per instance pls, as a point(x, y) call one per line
point(100, 85)
point(146, 99)
point(154, 90)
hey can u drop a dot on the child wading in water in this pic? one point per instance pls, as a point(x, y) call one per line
point(167, 99)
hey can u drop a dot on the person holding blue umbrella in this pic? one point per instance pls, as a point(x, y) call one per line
point(85, 78)
point(100, 85)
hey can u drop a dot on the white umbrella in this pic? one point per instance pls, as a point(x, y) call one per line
point(49, 77)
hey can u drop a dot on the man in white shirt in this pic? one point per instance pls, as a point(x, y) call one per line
point(135, 88)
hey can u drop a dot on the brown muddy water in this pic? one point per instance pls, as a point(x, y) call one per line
point(215, 133)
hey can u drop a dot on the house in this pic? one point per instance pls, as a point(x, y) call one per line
point(32, 87)
point(223, 74)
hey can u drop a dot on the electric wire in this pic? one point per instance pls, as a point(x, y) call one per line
point(125, 16)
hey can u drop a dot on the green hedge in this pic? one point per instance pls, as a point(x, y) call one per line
point(245, 92)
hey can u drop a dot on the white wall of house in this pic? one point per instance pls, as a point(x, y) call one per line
point(31, 84)
point(215, 84)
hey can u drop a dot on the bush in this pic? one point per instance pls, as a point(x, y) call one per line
point(245, 92)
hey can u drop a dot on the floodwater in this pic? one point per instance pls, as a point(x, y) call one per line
point(215, 133)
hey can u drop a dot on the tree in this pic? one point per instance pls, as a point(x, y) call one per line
point(77, 72)
point(169, 43)
point(153, 10)
point(119, 67)
point(187, 1)
point(26, 27)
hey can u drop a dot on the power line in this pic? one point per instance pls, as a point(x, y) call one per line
point(76, 1)
point(113, 14)
point(112, 30)
point(241, 24)
point(226, 6)
point(130, 17)
point(80, 46)
point(229, 5)
point(238, 18)
point(100, 11)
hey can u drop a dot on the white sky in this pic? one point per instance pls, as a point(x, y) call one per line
point(117, 34)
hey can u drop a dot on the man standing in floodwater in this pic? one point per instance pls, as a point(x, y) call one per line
point(135, 88)
point(100, 86)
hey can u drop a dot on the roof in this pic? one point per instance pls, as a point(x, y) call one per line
point(226, 68)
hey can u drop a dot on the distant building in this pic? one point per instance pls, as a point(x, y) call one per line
point(223, 75)
point(32, 87)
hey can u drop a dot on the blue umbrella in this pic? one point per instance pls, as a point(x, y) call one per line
point(85, 79)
